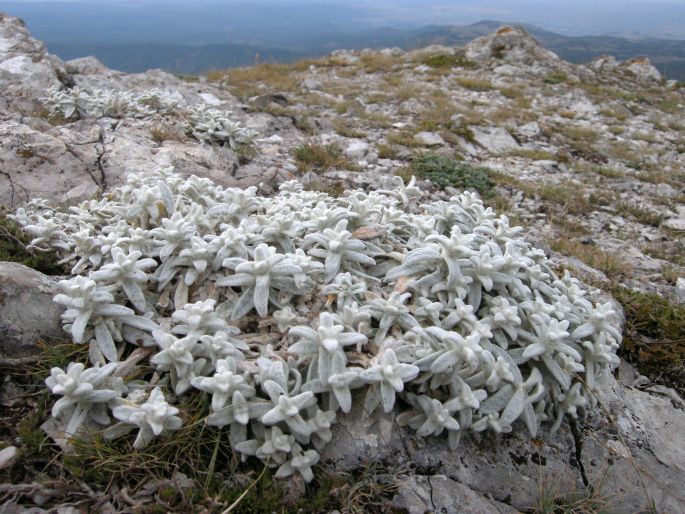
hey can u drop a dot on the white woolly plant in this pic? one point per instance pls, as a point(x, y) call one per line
point(338, 249)
point(153, 417)
point(127, 271)
point(205, 123)
point(176, 358)
point(289, 309)
point(320, 346)
point(267, 271)
point(85, 393)
point(215, 127)
point(387, 377)
point(99, 103)
point(92, 312)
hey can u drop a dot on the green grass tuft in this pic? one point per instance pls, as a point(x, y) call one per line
point(315, 156)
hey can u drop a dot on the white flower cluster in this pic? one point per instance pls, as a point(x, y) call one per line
point(215, 127)
point(208, 125)
point(79, 103)
point(285, 308)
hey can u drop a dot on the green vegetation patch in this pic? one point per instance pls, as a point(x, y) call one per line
point(444, 172)
point(448, 61)
point(654, 338)
point(316, 156)
point(14, 247)
point(555, 77)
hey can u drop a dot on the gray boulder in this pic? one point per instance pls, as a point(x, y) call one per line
point(604, 64)
point(27, 312)
point(494, 139)
point(677, 222)
point(429, 139)
point(85, 66)
point(357, 149)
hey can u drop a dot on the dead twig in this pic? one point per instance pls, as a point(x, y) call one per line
point(20, 362)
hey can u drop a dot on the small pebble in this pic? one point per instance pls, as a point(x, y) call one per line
point(8, 456)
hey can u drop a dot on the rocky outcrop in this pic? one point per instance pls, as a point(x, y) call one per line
point(27, 312)
point(640, 68)
point(46, 163)
point(72, 160)
point(495, 140)
point(26, 68)
point(643, 69)
point(604, 64)
point(512, 45)
point(419, 494)
point(632, 451)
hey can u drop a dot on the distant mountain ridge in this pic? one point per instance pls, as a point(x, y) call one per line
point(668, 55)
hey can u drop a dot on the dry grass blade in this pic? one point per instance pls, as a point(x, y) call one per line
point(551, 500)
point(240, 498)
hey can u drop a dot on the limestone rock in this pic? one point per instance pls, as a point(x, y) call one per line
point(311, 84)
point(419, 494)
point(263, 101)
point(130, 149)
point(604, 64)
point(510, 44)
point(666, 190)
point(42, 164)
point(84, 66)
point(677, 222)
point(85, 191)
point(27, 312)
point(26, 68)
point(344, 57)
point(643, 69)
point(509, 468)
point(494, 139)
point(429, 139)
point(392, 52)
point(357, 149)
point(530, 130)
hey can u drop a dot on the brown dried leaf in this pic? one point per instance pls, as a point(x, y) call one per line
point(402, 284)
point(125, 368)
point(369, 232)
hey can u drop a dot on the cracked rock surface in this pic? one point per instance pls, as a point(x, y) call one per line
point(52, 159)
point(634, 445)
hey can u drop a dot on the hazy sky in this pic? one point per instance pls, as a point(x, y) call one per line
point(665, 18)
